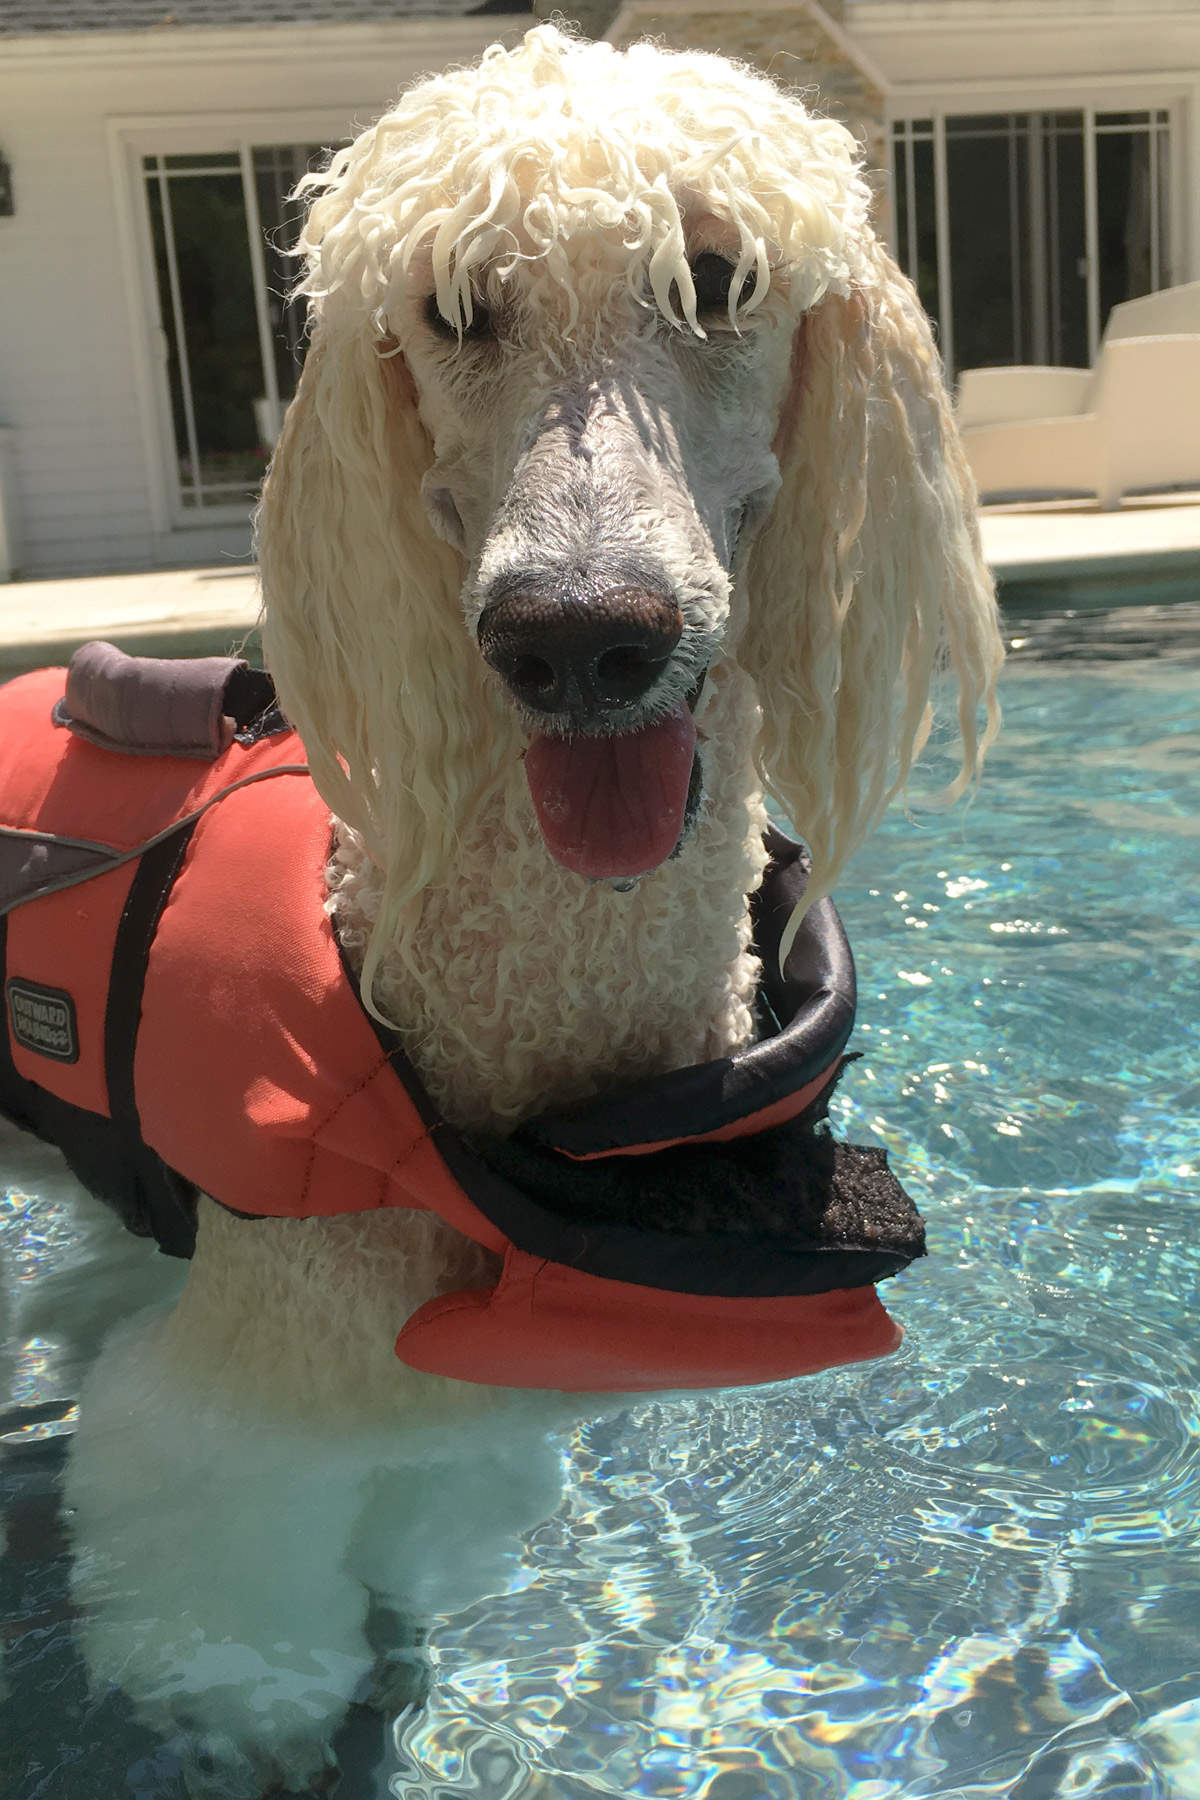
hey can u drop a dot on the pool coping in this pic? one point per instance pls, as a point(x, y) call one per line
point(1133, 562)
point(1153, 540)
point(1052, 554)
point(196, 611)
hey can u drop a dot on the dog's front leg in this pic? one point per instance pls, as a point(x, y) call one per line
point(262, 1492)
point(440, 1530)
point(209, 1548)
point(216, 1480)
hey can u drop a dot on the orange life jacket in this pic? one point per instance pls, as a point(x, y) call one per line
point(180, 1018)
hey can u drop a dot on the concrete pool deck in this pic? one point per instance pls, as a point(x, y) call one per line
point(1058, 553)
point(162, 612)
point(1070, 553)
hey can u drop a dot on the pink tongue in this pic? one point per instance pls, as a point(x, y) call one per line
point(612, 806)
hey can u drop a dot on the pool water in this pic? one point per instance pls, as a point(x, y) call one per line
point(970, 1570)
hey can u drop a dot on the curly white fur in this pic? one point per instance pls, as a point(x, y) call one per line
point(789, 467)
point(566, 186)
point(517, 159)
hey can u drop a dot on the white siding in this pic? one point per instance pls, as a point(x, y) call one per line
point(984, 43)
point(980, 56)
point(77, 378)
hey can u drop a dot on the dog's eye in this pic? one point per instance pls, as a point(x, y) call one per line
point(712, 277)
point(480, 326)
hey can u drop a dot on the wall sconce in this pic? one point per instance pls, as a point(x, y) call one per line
point(7, 204)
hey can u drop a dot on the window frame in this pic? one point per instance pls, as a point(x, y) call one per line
point(207, 134)
point(937, 102)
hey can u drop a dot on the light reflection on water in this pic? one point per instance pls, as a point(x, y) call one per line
point(974, 1569)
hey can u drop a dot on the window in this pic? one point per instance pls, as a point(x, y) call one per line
point(220, 225)
point(916, 229)
point(1132, 214)
point(1023, 230)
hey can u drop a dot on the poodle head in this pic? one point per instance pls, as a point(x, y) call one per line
point(611, 380)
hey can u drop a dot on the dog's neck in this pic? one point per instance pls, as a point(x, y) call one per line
point(527, 987)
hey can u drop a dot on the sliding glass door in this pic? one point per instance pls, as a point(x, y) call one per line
point(1023, 230)
point(220, 226)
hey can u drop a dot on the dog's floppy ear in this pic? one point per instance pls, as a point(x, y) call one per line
point(866, 571)
point(363, 626)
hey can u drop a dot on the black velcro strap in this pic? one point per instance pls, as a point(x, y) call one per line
point(781, 1211)
point(172, 1199)
point(144, 905)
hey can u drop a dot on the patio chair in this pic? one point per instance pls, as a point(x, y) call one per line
point(1130, 424)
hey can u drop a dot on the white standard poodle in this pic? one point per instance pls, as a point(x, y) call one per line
point(619, 492)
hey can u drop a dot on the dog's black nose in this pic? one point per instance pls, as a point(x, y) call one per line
point(580, 656)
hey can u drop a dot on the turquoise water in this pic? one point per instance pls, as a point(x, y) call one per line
point(972, 1570)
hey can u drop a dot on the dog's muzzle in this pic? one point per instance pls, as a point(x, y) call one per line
point(614, 778)
point(582, 660)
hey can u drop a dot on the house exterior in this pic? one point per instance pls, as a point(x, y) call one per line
point(1035, 163)
point(145, 349)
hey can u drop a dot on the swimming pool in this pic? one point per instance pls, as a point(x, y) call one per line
point(970, 1570)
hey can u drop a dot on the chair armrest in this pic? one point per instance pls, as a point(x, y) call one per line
point(1005, 396)
point(1046, 455)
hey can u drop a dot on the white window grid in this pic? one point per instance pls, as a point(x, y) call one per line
point(1154, 122)
point(197, 495)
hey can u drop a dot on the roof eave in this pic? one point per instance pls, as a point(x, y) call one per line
point(442, 33)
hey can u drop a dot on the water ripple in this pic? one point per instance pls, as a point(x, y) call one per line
point(973, 1570)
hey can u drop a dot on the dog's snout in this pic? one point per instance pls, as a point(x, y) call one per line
point(581, 657)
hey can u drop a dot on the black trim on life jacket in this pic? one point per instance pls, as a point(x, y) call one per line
point(171, 1198)
point(779, 1211)
point(812, 1001)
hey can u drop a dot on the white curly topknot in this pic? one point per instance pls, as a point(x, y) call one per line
point(512, 160)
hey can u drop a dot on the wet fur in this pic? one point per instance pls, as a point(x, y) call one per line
point(792, 471)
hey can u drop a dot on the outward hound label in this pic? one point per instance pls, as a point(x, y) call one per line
point(43, 1019)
